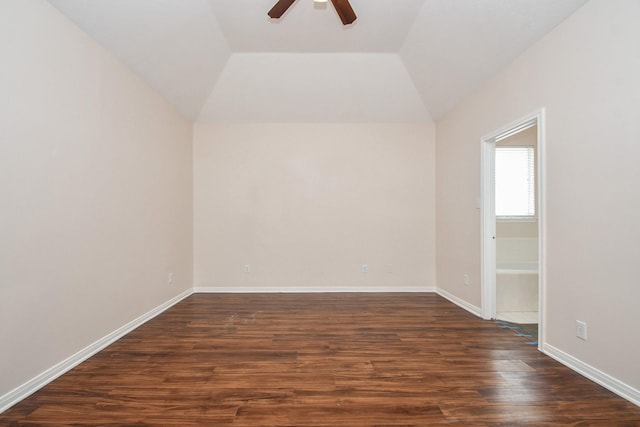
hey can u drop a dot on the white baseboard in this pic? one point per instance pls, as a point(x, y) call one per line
point(605, 380)
point(308, 289)
point(36, 383)
point(460, 302)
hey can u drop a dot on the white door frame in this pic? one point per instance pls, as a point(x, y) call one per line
point(488, 216)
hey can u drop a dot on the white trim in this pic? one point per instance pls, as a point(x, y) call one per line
point(488, 217)
point(515, 126)
point(605, 380)
point(309, 289)
point(512, 131)
point(542, 233)
point(488, 231)
point(23, 391)
point(460, 302)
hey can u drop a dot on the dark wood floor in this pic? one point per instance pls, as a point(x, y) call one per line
point(321, 360)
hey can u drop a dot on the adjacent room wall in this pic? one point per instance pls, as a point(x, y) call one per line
point(305, 205)
point(96, 184)
point(585, 73)
point(520, 228)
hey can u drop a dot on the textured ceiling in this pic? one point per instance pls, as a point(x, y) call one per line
point(401, 61)
point(382, 26)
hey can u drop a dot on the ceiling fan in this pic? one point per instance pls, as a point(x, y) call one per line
point(343, 7)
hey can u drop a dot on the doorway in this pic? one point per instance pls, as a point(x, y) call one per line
point(512, 223)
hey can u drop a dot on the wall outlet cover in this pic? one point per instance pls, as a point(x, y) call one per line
point(581, 330)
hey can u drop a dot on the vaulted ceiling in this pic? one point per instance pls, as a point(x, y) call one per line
point(401, 61)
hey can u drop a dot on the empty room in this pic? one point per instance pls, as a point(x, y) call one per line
point(320, 213)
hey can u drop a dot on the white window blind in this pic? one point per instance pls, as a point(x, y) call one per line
point(515, 182)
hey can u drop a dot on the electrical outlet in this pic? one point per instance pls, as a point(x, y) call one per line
point(465, 279)
point(247, 268)
point(581, 330)
point(365, 268)
point(170, 281)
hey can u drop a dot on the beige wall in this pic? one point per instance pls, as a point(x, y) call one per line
point(95, 174)
point(506, 228)
point(307, 204)
point(95, 178)
point(585, 73)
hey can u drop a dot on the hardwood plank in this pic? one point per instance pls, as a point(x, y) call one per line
point(321, 360)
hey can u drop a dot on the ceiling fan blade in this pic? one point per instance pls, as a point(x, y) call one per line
point(345, 11)
point(280, 8)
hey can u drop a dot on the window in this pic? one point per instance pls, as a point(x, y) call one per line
point(515, 182)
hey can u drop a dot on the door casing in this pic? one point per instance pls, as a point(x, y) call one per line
point(488, 216)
